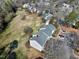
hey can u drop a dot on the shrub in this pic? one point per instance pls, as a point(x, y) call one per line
point(77, 25)
point(71, 18)
point(9, 17)
point(28, 30)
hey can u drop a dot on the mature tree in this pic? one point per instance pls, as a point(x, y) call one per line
point(28, 30)
point(77, 25)
point(70, 1)
point(71, 18)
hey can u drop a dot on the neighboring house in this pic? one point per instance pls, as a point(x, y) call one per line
point(26, 5)
point(30, 7)
point(39, 40)
point(47, 16)
point(67, 8)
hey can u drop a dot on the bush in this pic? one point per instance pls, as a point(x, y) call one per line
point(9, 17)
point(72, 16)
point(28, 30)
point(71, 1)
point(14, 44)
point(77, 25)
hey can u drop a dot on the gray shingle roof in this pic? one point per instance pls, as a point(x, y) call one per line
point(48, 29)
point(44, 33)
point(47, 16)
point(41, 38)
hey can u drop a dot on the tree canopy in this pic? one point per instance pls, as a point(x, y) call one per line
point(72, 16)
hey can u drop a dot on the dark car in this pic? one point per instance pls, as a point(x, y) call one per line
point(61, 35)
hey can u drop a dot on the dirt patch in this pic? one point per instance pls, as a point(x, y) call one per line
point(33, 53)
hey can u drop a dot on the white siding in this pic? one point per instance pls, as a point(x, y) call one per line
point(47, 22)
point(53, 31)
point(36, 45)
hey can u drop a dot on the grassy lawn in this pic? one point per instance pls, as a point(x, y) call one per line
point(15, 32)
